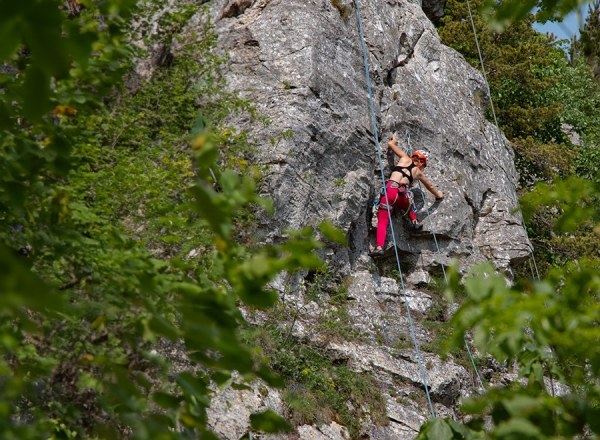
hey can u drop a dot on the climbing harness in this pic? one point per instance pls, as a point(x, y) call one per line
point(390, 205)
point(375, 133)
point(501, 138)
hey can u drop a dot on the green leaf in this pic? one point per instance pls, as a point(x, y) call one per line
point(333, 233)
point(194, 386)
point(519, 429)
point(484, 282)
point(460, 430)
point(592, 417)
point(166, 401)
point(269, 422)
point(209, 435)
point(21, 287)
point(475, 406)
point(199, 125)
point(9, 37)
point(221, 377)
point(520, 404)
point(161, 423)
point(161, 326)
point(36, 92)
point(272, 379)
point(251, 293)
point(241, 387)
point(435, 429)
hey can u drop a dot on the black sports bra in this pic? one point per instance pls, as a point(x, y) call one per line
point(401, 170)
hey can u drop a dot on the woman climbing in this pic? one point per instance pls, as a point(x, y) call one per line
point(396, 189)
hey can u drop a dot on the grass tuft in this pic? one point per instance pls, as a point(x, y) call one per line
point(344, 10)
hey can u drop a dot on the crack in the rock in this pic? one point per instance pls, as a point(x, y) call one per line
point(400, 63)
point(477, 210)
point(474, 210)
point(302, 180)
point(283, 56)
point(400, 422)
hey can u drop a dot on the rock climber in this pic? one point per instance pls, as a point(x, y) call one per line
point(404, 173)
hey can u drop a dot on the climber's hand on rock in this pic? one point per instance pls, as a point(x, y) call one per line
point(440, 195)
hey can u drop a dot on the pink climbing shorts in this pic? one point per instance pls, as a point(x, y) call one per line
point(395, 197)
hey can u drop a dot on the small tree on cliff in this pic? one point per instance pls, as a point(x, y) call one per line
point(588, 43)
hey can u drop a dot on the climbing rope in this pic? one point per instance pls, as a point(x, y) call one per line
point(375, 133)
point(501, 139)
point(409, 148)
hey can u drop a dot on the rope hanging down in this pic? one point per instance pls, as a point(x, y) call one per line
point(375, 133)
point(409, 149)
point(501, 138)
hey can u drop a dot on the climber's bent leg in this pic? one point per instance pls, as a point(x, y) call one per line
point(383, 220)
point(388, 199)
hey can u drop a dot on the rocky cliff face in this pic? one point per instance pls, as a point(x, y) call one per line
point(301, 63)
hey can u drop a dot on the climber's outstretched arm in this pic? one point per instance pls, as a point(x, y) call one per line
point(393, 145)
point(438, 194)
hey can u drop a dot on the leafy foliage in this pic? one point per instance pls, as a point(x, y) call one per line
point(116, 236)
point(501, 14)
point(542, 102)
point(317, 391)
point(587, 44)
point(521, 65)
point(548, 328)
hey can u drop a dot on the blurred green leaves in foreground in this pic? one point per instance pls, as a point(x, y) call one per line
point(548, 329)
point(92, 291)
point(501, 13)
point(85, 302)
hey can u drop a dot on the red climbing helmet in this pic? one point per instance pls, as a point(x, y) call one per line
point(421, 155)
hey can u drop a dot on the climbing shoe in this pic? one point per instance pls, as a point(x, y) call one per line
point(417, 226)
point(376, 253)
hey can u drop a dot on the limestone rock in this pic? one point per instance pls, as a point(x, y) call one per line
point(301, 64)
point(233, 8)
point(553, 387)
point(573, 136)
point(333, 431)
point(386, 286)
point(405, 415)
point(444, 379)
point(434, 9)
point(418, 301)
point(377, 309)
point(229, 413)
point(8, 69)
point(395, 431)
point(418, 278)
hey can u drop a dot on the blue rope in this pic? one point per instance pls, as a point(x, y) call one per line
point(375, 132)
point(474, 366)
point(444, 271)
point(501, 138)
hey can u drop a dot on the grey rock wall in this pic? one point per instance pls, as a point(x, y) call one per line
point(301, 63)
point(378, 315)
point(434, 9)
